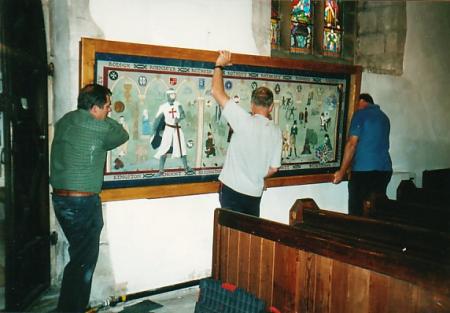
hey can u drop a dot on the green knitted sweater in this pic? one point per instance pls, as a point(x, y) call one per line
point(79, 148)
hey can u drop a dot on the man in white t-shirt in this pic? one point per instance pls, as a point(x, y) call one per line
point(254, 151)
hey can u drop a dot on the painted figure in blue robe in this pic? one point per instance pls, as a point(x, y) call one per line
point(146, 125)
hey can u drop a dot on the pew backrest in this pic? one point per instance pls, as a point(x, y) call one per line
point(407, 192)
point(385, 235)
point(438, 180)
point(298, 270)
point(421, 215)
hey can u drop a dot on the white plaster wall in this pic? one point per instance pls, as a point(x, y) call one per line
point(418, 102)
point(153, 243)
point(199, 24)
point(160, 242)
point(147, 244)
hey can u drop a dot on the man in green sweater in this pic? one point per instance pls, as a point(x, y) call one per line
point(81, 141)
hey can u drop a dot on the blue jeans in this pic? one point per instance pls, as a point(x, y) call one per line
point(238, 202)
point(81, 220)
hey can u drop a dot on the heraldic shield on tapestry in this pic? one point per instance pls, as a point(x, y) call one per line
point(177, 131)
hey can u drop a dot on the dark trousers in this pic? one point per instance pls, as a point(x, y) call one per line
point(81, 220)
point(362, 185)
point(239, 202)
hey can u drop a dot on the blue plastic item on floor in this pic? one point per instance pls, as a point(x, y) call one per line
point(216, 297)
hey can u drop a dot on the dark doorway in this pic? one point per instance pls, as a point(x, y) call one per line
point(24, 155)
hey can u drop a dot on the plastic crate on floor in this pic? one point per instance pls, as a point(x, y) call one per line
point(216, 297)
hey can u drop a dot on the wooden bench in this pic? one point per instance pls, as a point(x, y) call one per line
point(382, 235)
point(408, 192)
point(438, 180)
point(299, 270)
point(421, 215)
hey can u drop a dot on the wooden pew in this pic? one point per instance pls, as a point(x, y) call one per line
point(408, 192)
point(438, 180)
point(299, 270)
point(427, 216)
point(411, 240)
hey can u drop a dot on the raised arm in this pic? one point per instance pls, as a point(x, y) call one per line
point(217, 89)
point(116, 136)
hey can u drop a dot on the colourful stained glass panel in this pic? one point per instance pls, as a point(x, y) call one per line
point(275, 26)
point(275, 33)
point(301, 27)
point(331, 13)
point(332, 34)
point(332, 41)
point(301, 11)
point(300, 37)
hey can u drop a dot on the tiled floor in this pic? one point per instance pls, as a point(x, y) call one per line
point(179, 301)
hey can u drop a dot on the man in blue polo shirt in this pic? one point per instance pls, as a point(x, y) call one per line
point(367, 151)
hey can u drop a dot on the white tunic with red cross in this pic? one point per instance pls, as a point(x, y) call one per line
point(172, 137)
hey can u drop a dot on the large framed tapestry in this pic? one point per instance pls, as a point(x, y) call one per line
point(312, 104)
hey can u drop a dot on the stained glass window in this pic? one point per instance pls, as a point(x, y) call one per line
point(275, 25)
point(301, 26)
point(332, 33)
point(314, 27)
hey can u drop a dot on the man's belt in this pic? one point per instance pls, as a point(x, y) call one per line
point(173, 126)
point(72, 193)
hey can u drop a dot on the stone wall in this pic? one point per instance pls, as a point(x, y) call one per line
point(381, 36)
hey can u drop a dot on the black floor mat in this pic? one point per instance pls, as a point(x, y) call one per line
point(142, 307)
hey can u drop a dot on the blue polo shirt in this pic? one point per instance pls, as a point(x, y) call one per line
point(372, 127)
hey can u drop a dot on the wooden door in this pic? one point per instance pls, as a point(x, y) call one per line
point(23, 93)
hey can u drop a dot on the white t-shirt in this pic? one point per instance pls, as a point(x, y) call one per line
point(255, 146)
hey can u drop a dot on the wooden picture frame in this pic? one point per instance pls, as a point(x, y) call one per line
point(335, 87)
